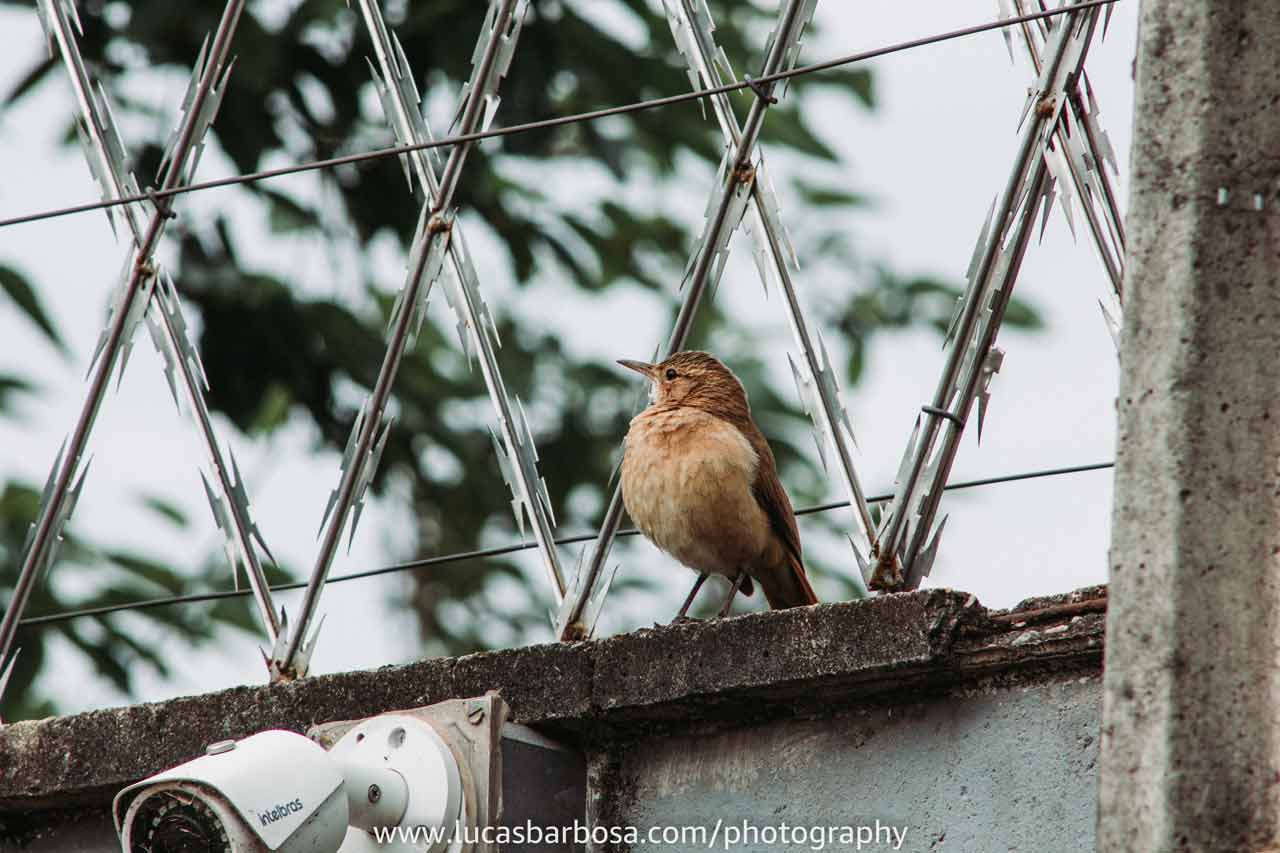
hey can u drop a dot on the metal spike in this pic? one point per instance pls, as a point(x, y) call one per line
point(436, 250)
point(990, 367)
point(596, 602)
point(471, 307)
point(1046, 207)
point(281, 643)
point(1107, 152)
point(1113, 325)
point(240, 501)
point(383, 89)
point(222, 517)
point(1003, 13)
point(487, 88)
point(1032, 95)
point(791, 50)
point(901, 476)
point(348, 457)
point(73, 497)
point(760, 253)
point(505, 465)
point(808, 401)
point(826, 380)
point(184, 108)
point(1062, 178)
point(983, 236)
point(720, 238)
point(923, 563)
point(770, 212)
point(137, 307)
point(865, 567)
point(367, 471)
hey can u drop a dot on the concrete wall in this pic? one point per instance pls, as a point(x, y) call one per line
point(983, 770)
point(969, 729)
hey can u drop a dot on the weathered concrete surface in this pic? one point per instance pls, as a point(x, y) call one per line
point(606, 695)
point(1191, 737)
point(982, 770)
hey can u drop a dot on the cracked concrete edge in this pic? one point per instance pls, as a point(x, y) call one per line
point(806, 661)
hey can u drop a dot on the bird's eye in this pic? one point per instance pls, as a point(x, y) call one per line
point(671, 373)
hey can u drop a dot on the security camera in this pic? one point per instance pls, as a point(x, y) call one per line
point(280, 792)
point(427, 780)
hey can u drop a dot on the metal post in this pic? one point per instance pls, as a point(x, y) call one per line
point(1190, 747)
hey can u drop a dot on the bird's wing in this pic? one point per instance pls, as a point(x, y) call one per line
point(769, 493)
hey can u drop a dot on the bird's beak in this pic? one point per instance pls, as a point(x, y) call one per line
point(639, 367)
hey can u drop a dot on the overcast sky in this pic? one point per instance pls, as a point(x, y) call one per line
point(932, 156)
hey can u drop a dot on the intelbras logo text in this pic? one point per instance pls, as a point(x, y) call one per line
point(280, 812)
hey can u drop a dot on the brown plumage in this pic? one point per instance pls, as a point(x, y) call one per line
point(699, 480)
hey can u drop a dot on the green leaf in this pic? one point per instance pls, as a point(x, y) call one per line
point(28, 81)
point(857, 80)
point(162, 576)
point(166, 509)
point(10, 386)
point(1022, 315)
point(785, 127)
point(830, 196)
point(21, 292)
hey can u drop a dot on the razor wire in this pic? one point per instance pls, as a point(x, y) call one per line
point(907, 538)
point(726, 206)
point(510, 548)
point(516, 452)
point(432, 239)
point(1081, 152)
point(775, 257)
point(137, 285)
point(1072, 148)
point(550, 123)
point(108, 163)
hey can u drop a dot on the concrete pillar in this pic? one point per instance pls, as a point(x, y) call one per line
point(1191, 718)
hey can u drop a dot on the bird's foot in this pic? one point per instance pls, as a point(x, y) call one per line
point(682, 619)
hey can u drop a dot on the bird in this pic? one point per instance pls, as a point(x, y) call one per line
point(700, 482)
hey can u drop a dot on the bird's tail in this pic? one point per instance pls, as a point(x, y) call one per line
point(787, 586)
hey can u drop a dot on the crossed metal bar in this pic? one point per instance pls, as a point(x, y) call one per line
point(739, 189)
point(137, 290)
point(1082, 150)
point(517, 454)
point(434, 239)
point(107, 160)
point(907, 539)
point(775, 257)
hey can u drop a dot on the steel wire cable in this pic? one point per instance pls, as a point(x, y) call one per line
point(500, 550)
point(544, 124)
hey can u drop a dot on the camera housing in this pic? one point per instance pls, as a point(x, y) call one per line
point(229, 800)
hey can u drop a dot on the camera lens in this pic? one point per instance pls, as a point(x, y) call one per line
point(171, 822)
